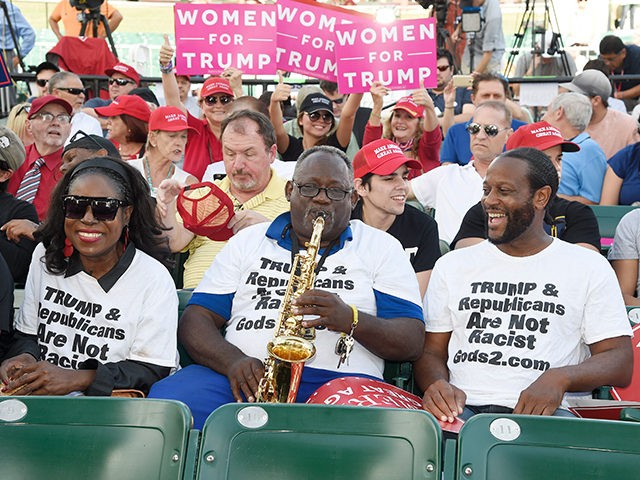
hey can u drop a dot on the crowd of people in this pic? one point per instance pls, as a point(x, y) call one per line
point(103, 200)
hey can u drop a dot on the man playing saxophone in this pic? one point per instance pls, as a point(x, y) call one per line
point(365, 292)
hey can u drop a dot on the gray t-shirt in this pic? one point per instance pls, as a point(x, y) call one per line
point(626, 243)
point(489, 38)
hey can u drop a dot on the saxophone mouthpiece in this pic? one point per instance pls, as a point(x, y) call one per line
point(322, 214)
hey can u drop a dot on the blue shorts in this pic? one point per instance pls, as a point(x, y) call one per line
point(204, 390)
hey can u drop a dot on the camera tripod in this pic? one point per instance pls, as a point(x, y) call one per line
point(96, 18)
point(550, 21)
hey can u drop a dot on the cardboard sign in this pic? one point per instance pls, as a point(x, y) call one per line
point(211, 38)
point(366, 392)
point(632, 391)
point(401, 55)
point(306, 43)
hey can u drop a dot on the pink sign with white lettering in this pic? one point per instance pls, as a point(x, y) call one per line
point(306, 42)
point(401, 55)
point(211, 38)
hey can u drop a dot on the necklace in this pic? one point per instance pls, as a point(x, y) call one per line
point(147, 171)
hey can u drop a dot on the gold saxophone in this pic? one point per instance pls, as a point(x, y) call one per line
point(292, 343)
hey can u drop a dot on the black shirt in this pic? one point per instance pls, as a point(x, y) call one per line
point(17, 255)
point(418, 234)
point(572, 222)
point(295, 148)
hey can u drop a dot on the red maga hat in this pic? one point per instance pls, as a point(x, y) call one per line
point(41, 102)
point(168, 119)
point(540, 135)
point(382, 157)
point(213, 85)
point(206, 210)
point(131, 105)
point(408, 105)
point(126, 70)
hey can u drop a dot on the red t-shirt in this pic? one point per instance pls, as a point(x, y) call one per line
point(203, 147)
point(49, 176)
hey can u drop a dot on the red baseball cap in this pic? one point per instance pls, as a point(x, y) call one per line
point(382, 157)
point(168, 119)
point(131, 105)
point(213, 85)
point(540, 135)
point(206, 210)
point(41, 102)
point(126, 70)
point(408, 105)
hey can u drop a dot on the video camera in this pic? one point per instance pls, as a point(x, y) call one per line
point(82, 5)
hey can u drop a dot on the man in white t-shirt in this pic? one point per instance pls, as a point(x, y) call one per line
point(518, 321)
point(365, 290)
point(454, 189)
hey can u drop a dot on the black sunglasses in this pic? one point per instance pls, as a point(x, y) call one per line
point(72, 91)
point(120, 81)
point(490, 130)
point(339, 101)
point(223, 99)
point(443, 68)
point(41, 82)
point(103, 209)
point(312, 191)
point(315, 116)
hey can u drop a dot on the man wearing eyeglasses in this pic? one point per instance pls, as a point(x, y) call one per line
point(365, 289)
point(453, 189)
point(69, 87)
point(49, 121)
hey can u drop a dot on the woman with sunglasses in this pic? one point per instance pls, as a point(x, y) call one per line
point(217, 93)
point(128, 124)
point(413, 126)
point(165, 147)
point(91, 320)
point(316, 121)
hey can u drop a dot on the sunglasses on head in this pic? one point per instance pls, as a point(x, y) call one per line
point(120, 81)
point(41, 82)
point(490, 130)
point(315, 116)
point(223, 99)
point(103, 209)
point(443, 68)
point(72, 91)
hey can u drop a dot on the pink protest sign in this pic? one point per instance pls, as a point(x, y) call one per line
point(211, 38)
point(306, 41)
point(401, 55)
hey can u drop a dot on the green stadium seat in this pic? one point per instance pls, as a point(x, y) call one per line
point(319, 442)
point(184, 295)
point(608, 217)
point(630, 414)
point(526, 447)
point(93, 438)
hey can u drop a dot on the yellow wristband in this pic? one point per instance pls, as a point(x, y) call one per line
point(354, 323)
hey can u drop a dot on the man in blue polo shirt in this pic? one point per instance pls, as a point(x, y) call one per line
point(622, 60)
point(486, 87)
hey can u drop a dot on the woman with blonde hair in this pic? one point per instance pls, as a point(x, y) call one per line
point(166, 144)
point(17, 121)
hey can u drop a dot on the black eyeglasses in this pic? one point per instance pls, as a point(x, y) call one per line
point(49, 117)
point(41, 82)
point(120, 81)
point(312, 191)
point(315, 116)
point(339, 101)
point(103, 209)
point(72, 91)
point(443, 68)
point(223, 99)
point(490, 130)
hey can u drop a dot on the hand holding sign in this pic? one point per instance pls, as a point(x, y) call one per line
point(166, 52)
point(235, 79)
point(378, 91)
